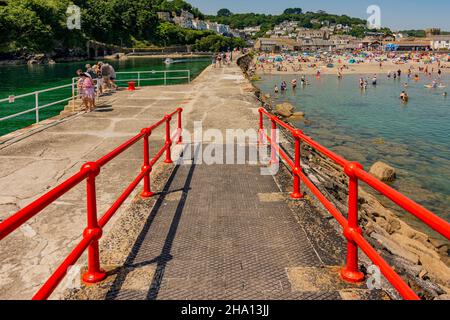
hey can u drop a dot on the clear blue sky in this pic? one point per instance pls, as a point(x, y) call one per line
point(396, 14)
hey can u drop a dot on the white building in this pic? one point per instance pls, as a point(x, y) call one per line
point(222, 29)
point(440, 42)
point(187, 15)
point(252, 30)
point(211, 26)
point(199, 24)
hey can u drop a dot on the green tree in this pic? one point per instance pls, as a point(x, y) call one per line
point(293, 11)
point(217, 43)
point(224, 13)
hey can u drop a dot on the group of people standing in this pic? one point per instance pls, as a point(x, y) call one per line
point(294, 84)
point(94, 81)
point(224, 58)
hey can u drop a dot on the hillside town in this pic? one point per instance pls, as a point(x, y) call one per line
point(289, 37)
point(187, 20)
point(325, 36)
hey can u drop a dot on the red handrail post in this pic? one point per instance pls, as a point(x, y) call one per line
point(296, 194)
point(273, 137)
point(168, 140)
point(351, 272)
point(180, 129)
point(261, 126)
point(93, 231)
point(146, 193)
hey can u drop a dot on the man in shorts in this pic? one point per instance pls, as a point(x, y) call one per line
point(112, 76)
point(105, 71)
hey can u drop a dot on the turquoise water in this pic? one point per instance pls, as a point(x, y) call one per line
point(372, 125)
point(16, 80)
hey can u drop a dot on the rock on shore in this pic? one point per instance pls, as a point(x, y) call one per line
point(285, 109)
point(383, 172)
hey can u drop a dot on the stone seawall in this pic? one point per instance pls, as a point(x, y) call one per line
point(421, 260)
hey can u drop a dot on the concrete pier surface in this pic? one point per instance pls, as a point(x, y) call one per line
point(216, 232)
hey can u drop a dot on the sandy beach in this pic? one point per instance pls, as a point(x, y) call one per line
point(356, 68)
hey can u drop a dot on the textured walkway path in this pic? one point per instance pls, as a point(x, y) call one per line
point(221, 232)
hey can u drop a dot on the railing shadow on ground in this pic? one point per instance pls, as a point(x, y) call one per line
point(164, 257)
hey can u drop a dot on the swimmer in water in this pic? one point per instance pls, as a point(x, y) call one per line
point(434, 84)
point(294, 83)
point(374, 80)
point(276, 89)
point(361, 83)
point(404, 96)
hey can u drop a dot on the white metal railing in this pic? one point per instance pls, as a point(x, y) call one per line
point(37, 107)
point(139, 78)
point(167, 76)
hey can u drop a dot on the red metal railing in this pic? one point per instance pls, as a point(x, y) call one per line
point(351, 230)
point(93, 232)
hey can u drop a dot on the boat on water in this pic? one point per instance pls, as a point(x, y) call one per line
point(168, 61)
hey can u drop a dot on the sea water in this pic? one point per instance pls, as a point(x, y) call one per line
point(375, 125)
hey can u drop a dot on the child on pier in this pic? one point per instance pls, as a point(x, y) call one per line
point(88, 92)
